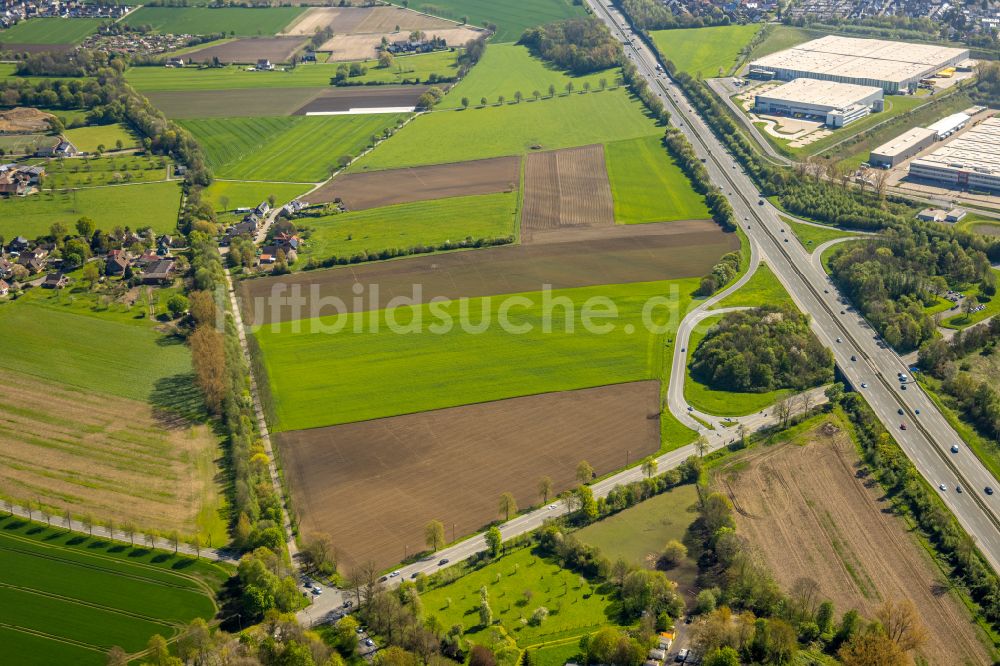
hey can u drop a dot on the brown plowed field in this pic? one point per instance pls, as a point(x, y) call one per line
point(569, 258)
point(231, 103)
point(364, 46)
point(342, 20)
point(36, 48)
point(371, 97)
point(813, 512)
point(566, 188)
point(373, 486)
point(359, 191)
point(250, 50)
point(109, 456)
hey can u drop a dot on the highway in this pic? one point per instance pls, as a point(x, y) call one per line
point(927, 438)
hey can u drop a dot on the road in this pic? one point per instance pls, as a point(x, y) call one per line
point(928, 437)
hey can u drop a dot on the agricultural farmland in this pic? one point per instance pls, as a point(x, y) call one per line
point(49, 31)
point(249, 102)
point(566, 188)
point(241, 21)
point(290, 148)
point(511, 17)
point(344, 48)
point(107, 206)
point(513, 129)
point(66, 598)
point(404, 226)
point(113, 169)
point(704, 50)
point(226, 195)
point(811, 509)
point(248, 50)
point(355, 493)
point(359, 191)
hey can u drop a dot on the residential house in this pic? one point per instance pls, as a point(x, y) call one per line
point(175, 62)
point(264, 65)
point(6, 268)
point(271, 251)
point(13, 184)
point(34, 174)
point(4, 288)
point(159, 272)
point(263, 209)
point(66, 149)
point(55, 281)
point(19, 244)
point(287, 241)
point(116, 263)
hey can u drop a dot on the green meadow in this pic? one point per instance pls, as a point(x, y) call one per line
point(50, 31)
point(409, 225)
point(145, 205)
point(111, 169)
point(240, 21)
point(88, 139)
point(508, 68)
point(648, 186)
point(229, 194)
point(284, 148)
point(511, 17)
point(513, 129)
point(704, 50)
point(761, 289)
point(322, 378)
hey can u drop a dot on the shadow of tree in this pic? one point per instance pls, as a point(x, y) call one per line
point(177, 402)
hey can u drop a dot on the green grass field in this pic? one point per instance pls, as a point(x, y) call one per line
point(50, 31)
point(723, 403)
point(309, 75)
point(648, 186)
point(762, 289)
point(514, 129)
point(409, 225)
point(639, 533)
point(508, 68)
point(705, 50)
point(26, 144)
point(89, 352)
point(67, 598)
point(320, 378)
point(289, 148)
point(510, 16)
point(107, 206)
point(811, 236)
point(574, 604)
point(243, 21)
point(112, 169)
point(87, 139)
point(781, 37)
point(227, 195)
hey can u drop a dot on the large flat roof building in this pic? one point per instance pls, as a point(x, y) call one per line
point(903, 147)
point(838, 104)
point(970, 161)
point(896, 67)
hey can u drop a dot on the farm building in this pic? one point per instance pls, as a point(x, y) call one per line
point(896, 67)
point(903, 147)
point(838, 104)
point(971, 161)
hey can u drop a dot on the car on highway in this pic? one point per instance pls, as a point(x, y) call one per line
point(393, 574)
point(864, 385)
point(760, 202)
point(988, 490)
point(853, 357)
point(839, 340)
point(902, 387)
point(916, 411)
point(942, 487)
point(958, 489)
point(443, 561)
point(902, 426)
point(954, 448)
point(900, 411)
point(842, 312)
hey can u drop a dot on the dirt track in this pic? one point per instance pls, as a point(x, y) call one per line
point(384, 188)
point(814, 513)
point(565, 258)
point(566, 188)
point(250, 50)
point(373, 486)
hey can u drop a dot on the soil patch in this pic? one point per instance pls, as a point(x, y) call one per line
point(11, 47)
point(374, 486)
point(342, 20)
point(569, 258)
point(250, 50)
point(360, 191)
point(24, 120)
point(232, 103)
point(813, 512)
point(344, 100)
point(365, 46)
point(566, 188)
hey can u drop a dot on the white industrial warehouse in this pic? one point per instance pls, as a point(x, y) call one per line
point(838, 104)
point(903, 147)
point(896, 67)
point(970, 161)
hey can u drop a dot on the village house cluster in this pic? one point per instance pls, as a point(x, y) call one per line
point(14, 11)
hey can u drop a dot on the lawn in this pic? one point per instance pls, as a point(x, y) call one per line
point(227, 194)
point(89, 352)
point(108, 206)
point(781, 37)
point(812, 236)
point(238, 21)
point(511, 17)
point(762, 289)
point(639, 533)
point(708, 51)
point(287, 148)
point(103, 594)
point(308, 75)
point(648, 186)
point(50, 31)
point(513, 129)
point(409, 225)
point(320, 377)
point(111, 169)
point(508, 68)
point(516, 585)
point(25, 144)
point(723, 403)
point(88, 139)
